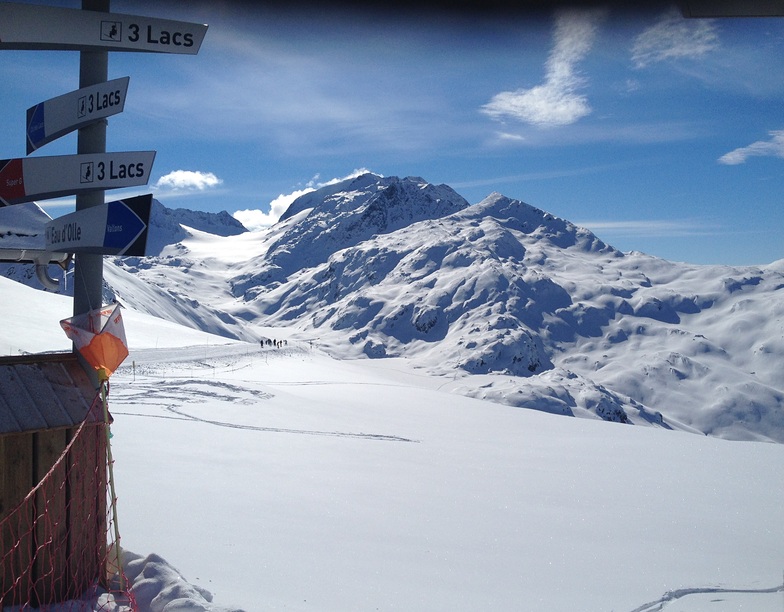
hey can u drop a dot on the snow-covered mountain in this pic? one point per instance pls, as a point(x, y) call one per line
point(23, 226)
point(170, 225)
point(506, 301)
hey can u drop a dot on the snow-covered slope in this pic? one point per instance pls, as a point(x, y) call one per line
point(21, 228)
point(170, 225)
point(33, 324)
point(283, 479)
point(347, 214)
point(506, 301)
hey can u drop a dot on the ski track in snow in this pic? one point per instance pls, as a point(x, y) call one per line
point(670, 596)
point(158, 392)
point(338, 434)
point(183, 416)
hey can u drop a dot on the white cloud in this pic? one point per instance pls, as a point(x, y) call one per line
point(766, 148)
point(673, 36)
point(188, 180)
point(255, 219)
point(556, 101)
point(357, 172)
point(508, 137)
point(631, 85)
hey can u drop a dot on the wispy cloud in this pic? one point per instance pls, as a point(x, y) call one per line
point(673, 36)
point(556, 101)
point(255, 219)
point(187, 181)
point(508, 137)
point(762, 148)
point(547, 175)
point(301, 93)
point(651, 228)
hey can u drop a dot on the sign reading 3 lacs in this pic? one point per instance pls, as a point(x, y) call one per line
point(147, 33)
point(33, 178)
point(28, 26)
point(49, 120)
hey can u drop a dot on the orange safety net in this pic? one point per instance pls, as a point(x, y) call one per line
point(99, 337)
point(59, 544)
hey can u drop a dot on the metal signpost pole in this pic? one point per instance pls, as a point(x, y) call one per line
point(88, 267)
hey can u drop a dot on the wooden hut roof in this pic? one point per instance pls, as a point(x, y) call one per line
point(39, 392)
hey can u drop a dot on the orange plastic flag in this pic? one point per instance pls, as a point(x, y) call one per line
point(99, 336)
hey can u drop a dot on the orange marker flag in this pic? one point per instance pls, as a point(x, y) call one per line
point(99, 336)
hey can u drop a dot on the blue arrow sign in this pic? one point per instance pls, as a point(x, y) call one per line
point(123, 226)
point(114, 228)
point(36, 130)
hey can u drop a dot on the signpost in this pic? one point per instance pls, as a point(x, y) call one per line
point(113, 228)
point(49, 120)
point(94, 32)
point(96, 228)
point(34, 178)
point(33, 26)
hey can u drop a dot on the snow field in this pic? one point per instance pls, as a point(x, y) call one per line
point(283, 479)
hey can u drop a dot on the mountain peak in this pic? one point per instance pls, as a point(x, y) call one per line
point(313, 199)
point(335, 217)
point(536, 223)
point(408, 199)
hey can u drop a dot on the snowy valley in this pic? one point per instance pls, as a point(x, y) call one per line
point(404, 444)
point(511, 303)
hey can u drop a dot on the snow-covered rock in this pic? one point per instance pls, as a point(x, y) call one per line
point(321, 223)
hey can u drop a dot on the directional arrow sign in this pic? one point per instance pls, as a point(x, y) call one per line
point(113, 228)
point(34, 26)
point(38, 178)
point(49, 120)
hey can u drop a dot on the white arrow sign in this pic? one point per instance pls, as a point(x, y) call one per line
point(34, 26)
point(38, 178)
point(49, 120)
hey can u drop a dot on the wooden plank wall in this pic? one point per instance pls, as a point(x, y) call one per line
point(87, 535)
point(16, 481)
point(51, 529)
point(59, 542)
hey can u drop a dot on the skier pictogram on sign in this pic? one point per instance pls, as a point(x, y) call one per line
point(111, 31)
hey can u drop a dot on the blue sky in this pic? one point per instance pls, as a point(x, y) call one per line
point(661, 134)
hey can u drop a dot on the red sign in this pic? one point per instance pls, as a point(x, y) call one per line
point(12, 180)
